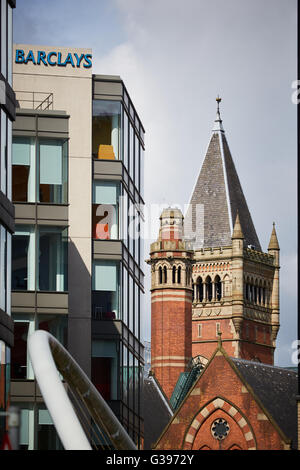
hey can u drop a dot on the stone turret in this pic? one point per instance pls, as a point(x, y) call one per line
point(273, 249)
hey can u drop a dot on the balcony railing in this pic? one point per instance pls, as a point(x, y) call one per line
point(34, 100)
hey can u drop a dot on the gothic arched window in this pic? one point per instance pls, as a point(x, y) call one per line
point(179, 274)
point(174, 274)
point(160, 279)
point(199, 289)
point(218, 288)
point(208, 288)
point(165, 274)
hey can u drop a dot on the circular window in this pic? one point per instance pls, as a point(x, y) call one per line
point(220, 429)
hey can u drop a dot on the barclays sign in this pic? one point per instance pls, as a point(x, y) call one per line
point(53, 58)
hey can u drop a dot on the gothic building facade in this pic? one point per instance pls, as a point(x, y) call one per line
point(211, 277)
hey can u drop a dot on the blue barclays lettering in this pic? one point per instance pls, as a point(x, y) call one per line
point(69, 60)
point(41, 57)
point(30, 57)
point(78, 59)
point(88, 59)
point(49, 58)
point(53, 59)
point(19, 56)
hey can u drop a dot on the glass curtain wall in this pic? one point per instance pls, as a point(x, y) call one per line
point(118, 134)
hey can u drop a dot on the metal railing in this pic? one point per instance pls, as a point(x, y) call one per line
point(35, 100)
point(93, 425)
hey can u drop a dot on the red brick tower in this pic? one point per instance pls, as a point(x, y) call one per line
point(171, 302)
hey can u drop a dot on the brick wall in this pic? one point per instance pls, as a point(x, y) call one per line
point(220, 393)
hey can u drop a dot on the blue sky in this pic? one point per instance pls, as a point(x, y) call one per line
point(175, 58)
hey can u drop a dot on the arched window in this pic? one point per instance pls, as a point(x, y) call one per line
point(174, 274)
point(165, 274)
point(199, 289)
point(218, 288)
point(259, 295)
point(160, 280)
point(255, 293)
point(246, 290)
point(179, 274)
point(264, 295)
point(208, 288)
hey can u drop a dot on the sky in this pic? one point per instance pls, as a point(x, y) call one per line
point(175, 58)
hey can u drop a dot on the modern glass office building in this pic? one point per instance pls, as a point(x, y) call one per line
point(77, 185)
point(7, 116)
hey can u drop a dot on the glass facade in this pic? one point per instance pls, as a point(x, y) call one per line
point(39, 258)
point(117, 365)
point(40, 170)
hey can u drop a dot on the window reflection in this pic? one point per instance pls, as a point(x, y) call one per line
point(105, 290)
point(106, 129)
point(105, 210)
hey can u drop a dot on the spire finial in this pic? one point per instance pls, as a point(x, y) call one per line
point(218, 121)
point(218, 100)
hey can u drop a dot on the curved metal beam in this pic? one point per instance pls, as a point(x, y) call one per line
point(48, 357)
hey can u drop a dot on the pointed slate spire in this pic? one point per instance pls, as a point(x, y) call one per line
point(217, 198)
point(273, 244)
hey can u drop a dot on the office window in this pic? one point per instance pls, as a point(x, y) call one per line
point(9, 161)
point(125, 295)
point(23, 169)
point(47, 437)
point(106, 129)
point(131, 151)
point(131, 304)
point(3, 162)
point(105, 285)
point(141, 182)
point(137, 162)
point(125, 139)
point(53, 159)
point(39, 258)
point(137, 311)
point(52, 261)
point(23, 258)
point(3, 267)
point(199, 331)
point(41, 177)
point(105, 216)
point(105, 366)
point(24, 326)
point(56, 325)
